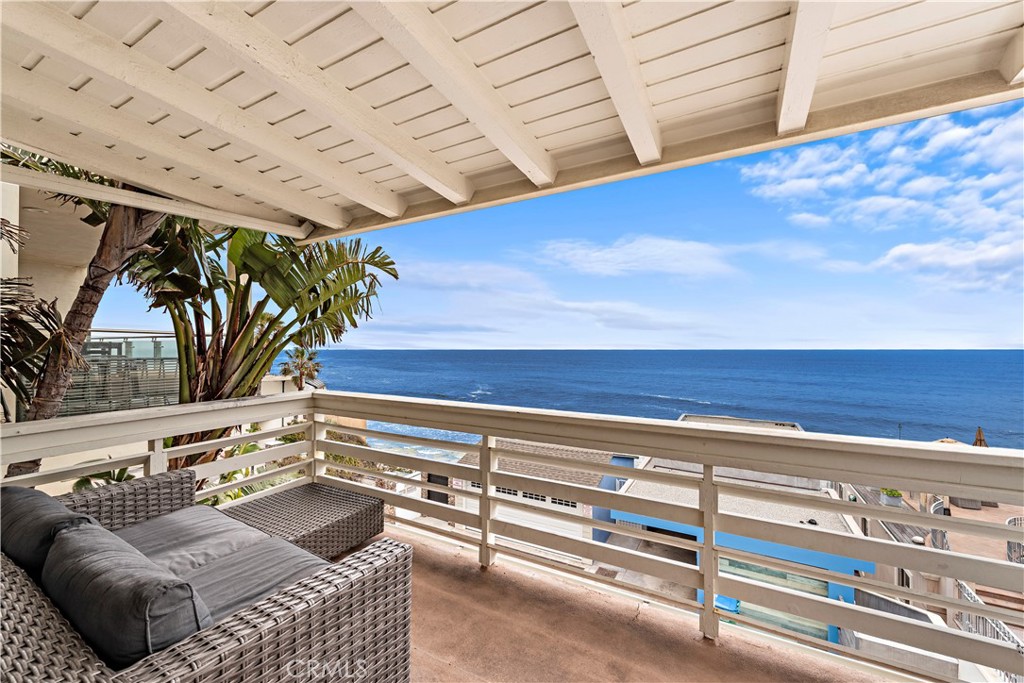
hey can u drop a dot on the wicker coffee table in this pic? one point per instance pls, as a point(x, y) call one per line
point(322, 519)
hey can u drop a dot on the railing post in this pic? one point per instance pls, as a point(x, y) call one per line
point(486, 501)
point(317, 434)
point(709, 556)
point(157, 460)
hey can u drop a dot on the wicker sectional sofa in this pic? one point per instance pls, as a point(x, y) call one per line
point(347, 621)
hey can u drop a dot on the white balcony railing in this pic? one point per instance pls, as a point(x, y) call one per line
point(136, 439)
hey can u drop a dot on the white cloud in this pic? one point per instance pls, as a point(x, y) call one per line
point(995, 262)
point(642, 254)
point(781, 250)
point(806, 219)
point(925, 185)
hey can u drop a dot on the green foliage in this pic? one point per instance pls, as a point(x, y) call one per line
point(892, 493)
point(226, 342)
point(91, 481)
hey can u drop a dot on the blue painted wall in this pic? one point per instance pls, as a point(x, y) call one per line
point(609, 483)
point(811, 558)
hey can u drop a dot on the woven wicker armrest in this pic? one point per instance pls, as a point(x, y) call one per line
point(131, 502)
point(347, 622)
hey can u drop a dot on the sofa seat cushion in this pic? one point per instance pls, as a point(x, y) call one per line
point(29, 519)
point(124, 606)
point(187, 539)
point(235, 581)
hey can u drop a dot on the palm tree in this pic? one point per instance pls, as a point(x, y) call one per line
point(125, 231)
point(301, 365)
point(225, 342)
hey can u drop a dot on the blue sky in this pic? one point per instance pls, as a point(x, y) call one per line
point(910, 236)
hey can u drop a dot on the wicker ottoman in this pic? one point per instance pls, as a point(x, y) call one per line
point(322, 519)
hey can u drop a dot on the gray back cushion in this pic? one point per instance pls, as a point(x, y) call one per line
point(123, 605)
point(28, 521)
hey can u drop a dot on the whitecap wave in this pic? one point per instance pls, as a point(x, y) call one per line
point(684, 399)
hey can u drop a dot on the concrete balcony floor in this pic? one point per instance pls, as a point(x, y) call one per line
point(517, 623)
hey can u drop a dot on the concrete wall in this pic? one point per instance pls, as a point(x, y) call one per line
point(51, 281)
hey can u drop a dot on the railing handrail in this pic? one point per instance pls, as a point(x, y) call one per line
point(926, 466)
point(990, 473)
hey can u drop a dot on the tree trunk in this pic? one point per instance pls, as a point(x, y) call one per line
point(126, 231)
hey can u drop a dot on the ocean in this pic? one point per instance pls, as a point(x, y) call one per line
point(918, 395)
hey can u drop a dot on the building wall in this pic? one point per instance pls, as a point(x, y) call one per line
point(51, 281)
point(11, 210)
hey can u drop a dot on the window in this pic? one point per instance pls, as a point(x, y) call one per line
point(507, 492)
point(535, 496)
point(566, 503)
point(474, 484)
point(903, 579)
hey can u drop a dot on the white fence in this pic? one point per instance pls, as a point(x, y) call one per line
point(989, 474)
point(1015, 549)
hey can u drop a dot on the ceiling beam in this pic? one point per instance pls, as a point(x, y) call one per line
point(49, 182)
point(36, 93)
point(1011, 66)
point(50, 140)
point(263, 54)
point(953, 95)
point(412, 30)
point(809, 22)
point(609, 39)
point(55, 33)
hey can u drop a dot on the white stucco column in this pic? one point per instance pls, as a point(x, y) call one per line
point(11, 210)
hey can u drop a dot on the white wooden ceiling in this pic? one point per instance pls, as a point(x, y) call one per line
point(335, 118)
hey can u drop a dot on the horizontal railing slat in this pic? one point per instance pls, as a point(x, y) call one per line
point(682, 480)
point(75, 471)
point(995, 573)
point(306, 465)
point(398, 479)
point(238, 462)
point(228, 442)
point(612, 500)
point(440, 444)
point(591, 523)
point(915, 633)
point(429, 508)
point(668, 570)
point(991, 611)
point(924, 519)
point(411, 462)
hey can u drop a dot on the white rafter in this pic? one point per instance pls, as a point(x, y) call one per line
point(808, 31)
point(1011, 66)
point(39, 94)
point(261, 53)
point(49, 139)
point(412, 30)
point(608, 37)
point(49, 182)
point(54, 32)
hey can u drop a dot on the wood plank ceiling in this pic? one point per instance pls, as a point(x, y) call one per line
point(334, 119)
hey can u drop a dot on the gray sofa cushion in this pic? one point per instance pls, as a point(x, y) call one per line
point(119, 601)
point(186, 539)
point(236, 581)
point(28, 521)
